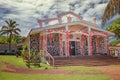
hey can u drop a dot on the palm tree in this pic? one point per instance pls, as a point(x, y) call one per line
point(10, 29)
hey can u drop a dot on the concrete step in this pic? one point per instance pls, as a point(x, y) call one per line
point(101, 60)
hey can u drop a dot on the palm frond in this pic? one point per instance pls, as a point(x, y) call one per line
point(7, 22)
point(17, 29)
point(16, 32)
point(3, 33)
point(10, 28)
point(13, 24)
point(4, 28)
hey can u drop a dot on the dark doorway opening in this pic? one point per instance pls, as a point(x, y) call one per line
point(72, 48)
point(94, 50)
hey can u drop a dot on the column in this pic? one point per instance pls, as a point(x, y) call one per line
point(89, 42)
point(40, 41)
point(66, 28)
point(107, 45)
point(81, 43)
point(97, 44)
point(67, 44)
point(61, 45)
point(45, 42)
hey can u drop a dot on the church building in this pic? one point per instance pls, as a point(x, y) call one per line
point(69, 34)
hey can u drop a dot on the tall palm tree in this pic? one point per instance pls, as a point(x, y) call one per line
point(10, 29)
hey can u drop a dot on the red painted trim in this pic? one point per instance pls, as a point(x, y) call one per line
point(90, 44)
point(45, 42)
point(67, 44)
point(61, 44)
point(107, 38)
point(97, 33)
point(59, 18)
point(82, 45)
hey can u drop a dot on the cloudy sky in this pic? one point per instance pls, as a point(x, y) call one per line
point(27, 12)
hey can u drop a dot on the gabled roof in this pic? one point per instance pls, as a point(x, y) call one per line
point(69, 15)
point(80, 22)
point(36, 30)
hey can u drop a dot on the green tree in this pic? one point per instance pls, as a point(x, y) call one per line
point(115, 28)
point(10, 28)
point(3, 40)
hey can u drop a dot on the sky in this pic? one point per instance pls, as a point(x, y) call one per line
point(27, 12)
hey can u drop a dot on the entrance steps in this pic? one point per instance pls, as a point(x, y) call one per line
point(95, 60)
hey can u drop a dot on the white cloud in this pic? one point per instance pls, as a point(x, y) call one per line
point(27, 12)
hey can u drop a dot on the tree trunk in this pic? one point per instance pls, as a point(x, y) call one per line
point(9, 47)
point(10, 43)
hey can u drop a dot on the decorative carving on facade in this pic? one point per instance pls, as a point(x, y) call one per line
point(53, 45)
point(34, 42)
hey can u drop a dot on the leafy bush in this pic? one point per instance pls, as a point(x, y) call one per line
point(115, 42)
point(32, 58)
point(115, 28)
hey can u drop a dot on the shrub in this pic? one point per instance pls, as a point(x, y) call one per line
point(115, 42)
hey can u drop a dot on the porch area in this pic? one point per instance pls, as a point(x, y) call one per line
point(70, 43)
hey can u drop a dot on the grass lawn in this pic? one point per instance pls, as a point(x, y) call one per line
point(18, 62)
point(11, 76)
point(13, 60)
point(83, 73)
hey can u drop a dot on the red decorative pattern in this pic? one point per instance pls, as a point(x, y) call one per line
point(82, 43)
point(108, 51)
point(90, 44)
point(61, 45)
point(67, 44)
point(45, 42)
point(58, 18)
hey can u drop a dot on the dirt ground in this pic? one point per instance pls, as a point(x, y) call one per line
point(112, 71)
point(14, 69)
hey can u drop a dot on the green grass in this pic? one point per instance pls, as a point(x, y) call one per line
point(82, 69)
point(12, 76)
point(19, 62)
point(83, 73)
point(13, 60)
